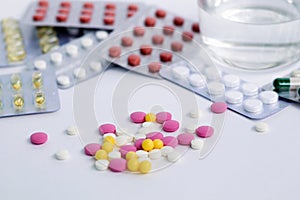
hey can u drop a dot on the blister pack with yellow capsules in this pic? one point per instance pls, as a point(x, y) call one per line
point(28, 92)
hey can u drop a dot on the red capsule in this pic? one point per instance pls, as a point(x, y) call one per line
point(86, 12)
point(65, 11)
point(66, 4)
point(196, 28)
point(61, 18)
point(38, 17)
point(110, 6)
point(42, 3)
point(88, 5)
point(110, 13)
point(108, 20)
point(42, 10)
point(85, 19)
point(130, 13)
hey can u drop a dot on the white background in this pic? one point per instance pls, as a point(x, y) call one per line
point(244, 165)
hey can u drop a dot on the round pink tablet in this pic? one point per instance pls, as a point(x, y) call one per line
point(134, 60)
point(170, 126)
point(138, 117)
point(154, 135)
point(168, 30)
point(146, 49)
point(218, 107)
point(115, 51)
point(178, 21)
point(117, 165)
point(150, 21)
point(187, 36)
point(38, 138)
point(138, 144)
point(126, 41)
point(139, 31)
point(126, 148)
point(185, 138)
point(157, 39)
point(176, 46)
point(91, 149)
point(166, 56)
point(161, 117)
point(107, 128)
point(170, 141)
point(154, 67)
point(205, 131)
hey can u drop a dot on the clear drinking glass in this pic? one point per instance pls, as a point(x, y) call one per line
point(251, 34)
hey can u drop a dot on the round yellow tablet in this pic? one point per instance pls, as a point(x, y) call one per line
point(158, 144)
point(107, 146)
point(150, 117)
point(101, 155)
point(147, 145)
point(145, 167)
point(131, 155)
point(133, 165)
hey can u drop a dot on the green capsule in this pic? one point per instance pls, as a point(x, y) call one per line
point(285, 84)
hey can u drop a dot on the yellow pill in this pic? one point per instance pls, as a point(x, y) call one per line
point(110, 139)
point(37, 80)
point(130, 155)
point(107, 146)
point(145, 167)
point(16, 82)
point(101, 155)
point(158, 144)
point(16, 56)
point(18, 102)
point(133, 165)
point(147, 145)
point(150, 117)
point(40, 99)
point(48, 47)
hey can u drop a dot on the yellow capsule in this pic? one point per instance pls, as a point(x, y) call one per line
point(18, 102)
point(37, 80)
point(110, 139)
point(150, 117)
point(130, 155)
point(16, 82)
point(14, 42)
point(147, 145)
point(16, 56)
point(9, 21)
point(48, 47)
point(108, 147)
point(49, 40)
point(40, 99)
point(14, 48)
point(145, 167)
point(42, 31)
point(101, 155)
point(133, 165)
point(158, 144)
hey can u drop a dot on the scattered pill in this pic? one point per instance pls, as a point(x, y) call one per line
point(107, 146)
point(115, 51)
point(170, 141)
point(150, 117)
point(38, 138)
point(91, 149)
point(109, 137)
point(138, 117)
point(62, 155)
point(147, 145)
point(205, 131)
point(121, 140)
point(145, 49)
point(138, 143)
point(107, 128)
point(161, 117)
point(72, 130)
point(197, 144)
point(173, 156)
point(142, 154)
point(234, 97)
point(127, 148)
point(134, 60)
point(261, 127)
point(154, 135)
point(158, 144)
point(101, 165)
point(145, 167)
point(126, 41)
point(218, 107)
point(190, 128)
point(269, 97)
point(130, 155)
point(117, 165)
point(170, 126)
point(180, 72)
point(166, 150)
point(185, 138)
point(154, 67)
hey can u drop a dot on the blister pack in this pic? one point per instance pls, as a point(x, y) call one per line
point(67, 59)
point(24, 93)
point(80, 14)
point(152, 39)
point(242, 97)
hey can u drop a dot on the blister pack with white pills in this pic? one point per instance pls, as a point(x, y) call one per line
point(151, 40)
point(80, 14)
point(242, 97)
point(28, 92)
point(66, 60)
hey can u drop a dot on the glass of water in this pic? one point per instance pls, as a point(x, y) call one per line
point(251, 34)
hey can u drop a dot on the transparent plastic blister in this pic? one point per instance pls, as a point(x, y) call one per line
point(242, 97)
point(80, 14)
point(67, 59)
point(28, 92)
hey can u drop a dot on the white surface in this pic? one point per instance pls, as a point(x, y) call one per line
point(244, 164)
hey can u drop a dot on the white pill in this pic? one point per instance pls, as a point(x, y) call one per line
point(96, 66)
point(231, 81)
point(40, 65)
point(143, 159)
point(79, 73)
point(197, 144)
point(142, 154)
point(62, 154)
point(197, 80)
point(212, 73)
point(86, 43)
point(173, 156)
point(216, 88)
point(121, 140)
point(113, 155)
point(268, 97)
point(155, 154)
point(109, 134)
point(296, 73)
point(101, 35)
point(253, 105)
point(63, 80)
point(261, 127)
point(234, 97)
point(147, 124)
point(194, 113)
point(249, 89)
point(166, 150)
point(180, 72)
point(72, 130)
point(101, 165)
point(56, 58)
point(72, 50)
point(190, 128)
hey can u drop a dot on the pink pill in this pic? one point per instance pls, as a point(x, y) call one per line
point(126, 148)
point(91, 149)
point(114, 51)
point(138, 117)
point(138, 144)
point(154, 67)
point(38, 138)
point(117, 165)
point(171, 126)
point(218, 107)
point(161, 117)
point(170, 141)
point(185, 138)
point(154, 135)
point(205, 131)
point(107, 128)
point(139, 31)
point(157, 39)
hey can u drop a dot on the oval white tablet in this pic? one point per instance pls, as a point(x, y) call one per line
point(79, 73)
point(56, 58)
point(154, 154)
point(62, 154)
point(180, 72)
point(63, 80)
point(234, 97)
point(197, 80)
point(253, 105)
point(121, 140)
point(101, 35)
point(101, 165)
point(166, 150)
point(249, 89)
point(142, 154)
point(212, 73)
point(216, 88)
point(72, 50)
point(86, 43)
point(261, 127)
point(197, 144)
point(40, 65)
point(268, 97)
point(231, 81)
point(114, 155)
point(72, 130)
point(96, 66)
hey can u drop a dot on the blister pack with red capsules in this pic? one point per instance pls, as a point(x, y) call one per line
point(80, 14)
